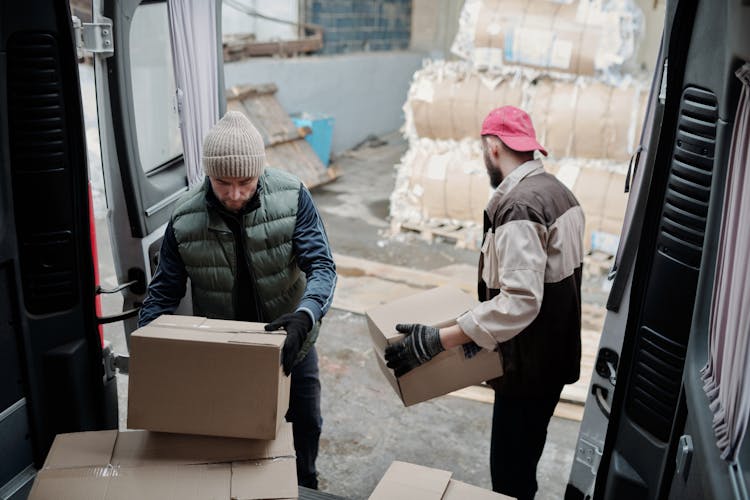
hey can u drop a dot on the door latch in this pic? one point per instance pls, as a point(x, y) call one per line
point(684, 456)
point(606, 365)
point(114, 362)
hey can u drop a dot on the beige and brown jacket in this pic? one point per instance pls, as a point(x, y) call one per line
point(530, 282)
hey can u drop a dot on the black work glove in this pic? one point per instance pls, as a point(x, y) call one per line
point(421, 344)
point(297, 325)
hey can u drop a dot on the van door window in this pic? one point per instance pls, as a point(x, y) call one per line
point(156, 119)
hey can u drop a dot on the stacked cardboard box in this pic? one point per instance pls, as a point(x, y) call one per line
point(216, 393)
point(109, 465)
point(587, 116)
point(405, 481)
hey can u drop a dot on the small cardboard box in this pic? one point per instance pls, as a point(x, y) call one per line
point(404, 481)
point(111, 465)
point(449, 370)
point(194, 375)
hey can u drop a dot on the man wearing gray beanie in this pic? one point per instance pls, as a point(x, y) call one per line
point(253, 245)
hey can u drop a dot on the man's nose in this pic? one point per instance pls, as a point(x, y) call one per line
point(234, 193)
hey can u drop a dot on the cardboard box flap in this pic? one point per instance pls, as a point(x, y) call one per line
point(81, 449)
point(404, 481)
point(437, 307)
point(264, 479)
point(146, 465)
point(461, 491)
point(176, 321)
point(216, 326)
point(188, 482)
point(137, 448)
point(69, 484)
point(214, 334)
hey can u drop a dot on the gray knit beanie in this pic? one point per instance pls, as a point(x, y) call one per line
point(233, 148)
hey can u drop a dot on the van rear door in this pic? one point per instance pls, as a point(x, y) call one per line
point(660, 442)
point(141, 146)
point(52, 378)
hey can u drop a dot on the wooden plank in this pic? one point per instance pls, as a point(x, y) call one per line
point(569, 411)
point(484, 394)
point(353, 266)
point(299, 158)
point(245, 46)
point(462, 236)
point(242, 92)
point(578, 392)
point(286, 148)
point(362, 293)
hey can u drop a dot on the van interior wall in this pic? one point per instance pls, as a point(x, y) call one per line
point(363, 92)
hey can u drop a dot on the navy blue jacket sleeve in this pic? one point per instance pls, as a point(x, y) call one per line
point(168, 284)
point(310, 245)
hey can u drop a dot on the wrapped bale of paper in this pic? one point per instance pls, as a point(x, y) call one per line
point(573, 117)
point(582, 37)
point(446, 183)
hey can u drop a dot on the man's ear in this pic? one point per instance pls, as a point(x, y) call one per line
point(495, 148)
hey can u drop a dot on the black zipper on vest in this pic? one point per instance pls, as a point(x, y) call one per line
point(259, 305)
point(216, 233)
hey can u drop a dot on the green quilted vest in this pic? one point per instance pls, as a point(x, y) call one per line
point(207, 248)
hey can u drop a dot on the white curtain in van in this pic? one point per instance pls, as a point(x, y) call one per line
point(727, 374)
point(192, 28)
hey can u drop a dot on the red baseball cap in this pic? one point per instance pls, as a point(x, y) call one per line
point(513, 127)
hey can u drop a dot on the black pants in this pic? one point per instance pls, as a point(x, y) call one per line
point(304, 414)
point(519, 430)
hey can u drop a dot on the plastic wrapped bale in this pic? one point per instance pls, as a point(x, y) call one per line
point(445, 182)
point(576, 118)
point(583, 37)
point(441, 181)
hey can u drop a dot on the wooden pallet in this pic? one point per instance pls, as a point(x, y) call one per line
point(484, 394)
point(286, 147)
point(462, 236)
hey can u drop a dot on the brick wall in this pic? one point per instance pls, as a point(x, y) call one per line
point(361, 25)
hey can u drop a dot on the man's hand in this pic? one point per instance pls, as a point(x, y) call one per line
point(421, 344)
point(297, 325)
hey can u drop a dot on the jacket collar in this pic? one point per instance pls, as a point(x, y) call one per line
point(527, 169)
point(524, 170)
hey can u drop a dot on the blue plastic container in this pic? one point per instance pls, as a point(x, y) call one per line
point(322, 133)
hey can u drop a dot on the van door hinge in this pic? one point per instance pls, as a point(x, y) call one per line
point(95, 38)
point(588, 454)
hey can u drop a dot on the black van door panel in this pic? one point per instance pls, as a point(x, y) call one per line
point(49, 326)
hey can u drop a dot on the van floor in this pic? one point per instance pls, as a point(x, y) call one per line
point(365, 425)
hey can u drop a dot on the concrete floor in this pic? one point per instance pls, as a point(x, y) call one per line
point(365, 425)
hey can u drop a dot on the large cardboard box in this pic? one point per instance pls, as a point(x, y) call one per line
point(111, 465)
point(449, 370)
point(194, 375)
point(404, 481)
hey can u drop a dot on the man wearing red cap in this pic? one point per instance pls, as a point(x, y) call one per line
point(530, 288)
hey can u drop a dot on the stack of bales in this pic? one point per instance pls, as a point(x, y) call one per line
point(549, 58)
